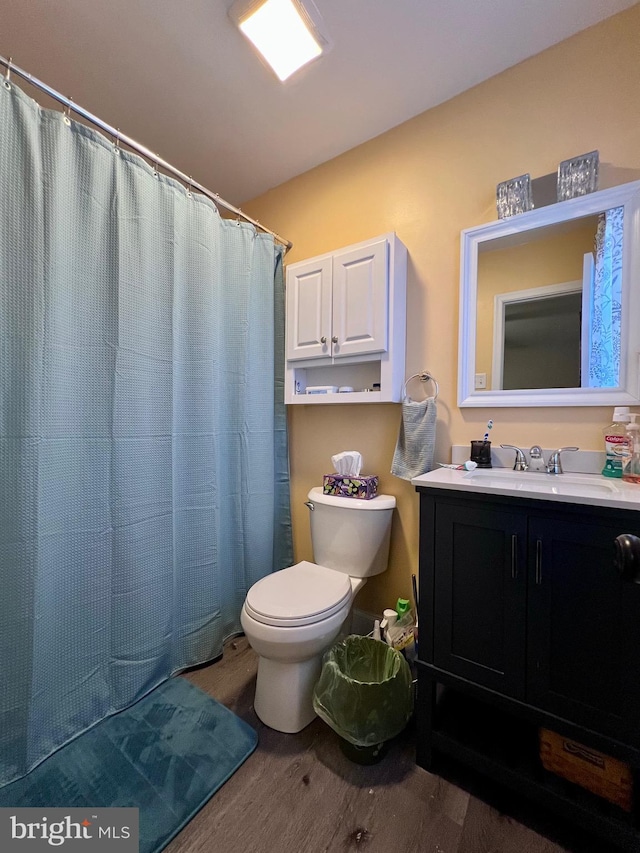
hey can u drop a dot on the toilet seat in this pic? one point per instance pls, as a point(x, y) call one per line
point(300, 595)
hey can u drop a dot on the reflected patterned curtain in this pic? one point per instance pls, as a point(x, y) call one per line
point(606, 302)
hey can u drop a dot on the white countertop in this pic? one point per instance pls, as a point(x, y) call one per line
point(582, 489)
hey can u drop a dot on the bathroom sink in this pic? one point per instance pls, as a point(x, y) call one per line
point(592, 489)
point(577, 485)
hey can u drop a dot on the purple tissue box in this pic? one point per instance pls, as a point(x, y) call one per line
point(364, 487)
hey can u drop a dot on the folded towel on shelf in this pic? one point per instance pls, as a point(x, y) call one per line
point(416, 441)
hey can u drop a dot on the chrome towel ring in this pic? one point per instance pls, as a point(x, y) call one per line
point(424, 376)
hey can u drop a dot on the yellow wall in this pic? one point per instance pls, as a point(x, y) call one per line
point(427, 180)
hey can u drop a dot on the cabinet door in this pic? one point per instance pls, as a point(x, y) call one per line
point(480, 595)
point(584, 627)
point(360, 314)
point(309, 309)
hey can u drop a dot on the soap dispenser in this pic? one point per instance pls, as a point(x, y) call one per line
point(631, 466)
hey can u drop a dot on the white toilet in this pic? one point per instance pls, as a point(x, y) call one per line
point(292, 616)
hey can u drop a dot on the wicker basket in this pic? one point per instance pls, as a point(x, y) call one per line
point(599, 773)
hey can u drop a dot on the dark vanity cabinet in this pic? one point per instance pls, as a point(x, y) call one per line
point(479, 594)
point(527, 621)
point(583, 642)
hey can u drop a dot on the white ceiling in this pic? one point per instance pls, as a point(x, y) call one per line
point(178, 77)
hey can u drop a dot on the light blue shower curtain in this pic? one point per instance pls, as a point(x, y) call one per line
point(143, 458)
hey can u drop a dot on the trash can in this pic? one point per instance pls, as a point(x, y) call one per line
point(365, 694)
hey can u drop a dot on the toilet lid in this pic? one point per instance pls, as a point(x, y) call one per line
point(300, 595)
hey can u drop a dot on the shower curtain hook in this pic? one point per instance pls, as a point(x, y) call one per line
point(116, 142)
point(189, 193)
point(152, 163)
point(7, 75)
point(67, 112)
point(217, 202)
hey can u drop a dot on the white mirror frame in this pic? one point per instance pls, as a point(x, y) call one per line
point(628, 392)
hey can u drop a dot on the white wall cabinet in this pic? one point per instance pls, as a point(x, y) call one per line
point(345, 323)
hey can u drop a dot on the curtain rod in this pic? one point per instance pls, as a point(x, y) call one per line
point(136, 146)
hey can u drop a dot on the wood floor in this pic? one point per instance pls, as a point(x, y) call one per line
point(300, 794)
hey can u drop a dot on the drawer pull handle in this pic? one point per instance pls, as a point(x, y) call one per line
point(514, 556)
point(538, 562)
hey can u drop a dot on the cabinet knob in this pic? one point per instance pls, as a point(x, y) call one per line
point(323, 339)
point(627, 559)
point(334, 339)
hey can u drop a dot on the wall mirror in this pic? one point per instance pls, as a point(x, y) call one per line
point(550, 305)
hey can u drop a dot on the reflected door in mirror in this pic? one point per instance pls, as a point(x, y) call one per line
point(541, 342)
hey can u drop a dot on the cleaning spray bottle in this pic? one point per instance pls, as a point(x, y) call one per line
point(389, 619)
point(616, 442)
point(399, 632)
point(631, 467)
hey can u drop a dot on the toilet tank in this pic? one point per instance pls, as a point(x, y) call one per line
point(350, 535)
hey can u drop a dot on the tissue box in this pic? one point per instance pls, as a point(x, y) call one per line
point(364, 486)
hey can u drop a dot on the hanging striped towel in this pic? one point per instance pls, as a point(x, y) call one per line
point(416, 441)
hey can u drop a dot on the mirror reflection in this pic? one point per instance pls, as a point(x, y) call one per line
point(549, 306)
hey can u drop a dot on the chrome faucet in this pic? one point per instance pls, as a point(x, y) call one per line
point(554, 466)
point(520, 463)
point(536, 459)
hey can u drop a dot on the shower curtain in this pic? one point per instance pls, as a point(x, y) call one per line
point(143, 457)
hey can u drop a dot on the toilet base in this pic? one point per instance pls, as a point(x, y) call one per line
point(284, 693)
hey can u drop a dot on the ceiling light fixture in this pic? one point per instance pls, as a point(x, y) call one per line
point(287, 33)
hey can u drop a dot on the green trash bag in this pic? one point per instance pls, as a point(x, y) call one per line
point(365, 692)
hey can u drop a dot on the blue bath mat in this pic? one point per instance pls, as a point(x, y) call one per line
point(166, 755)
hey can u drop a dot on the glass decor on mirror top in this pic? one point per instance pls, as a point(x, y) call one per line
point(514, 196)
point(578, 176)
